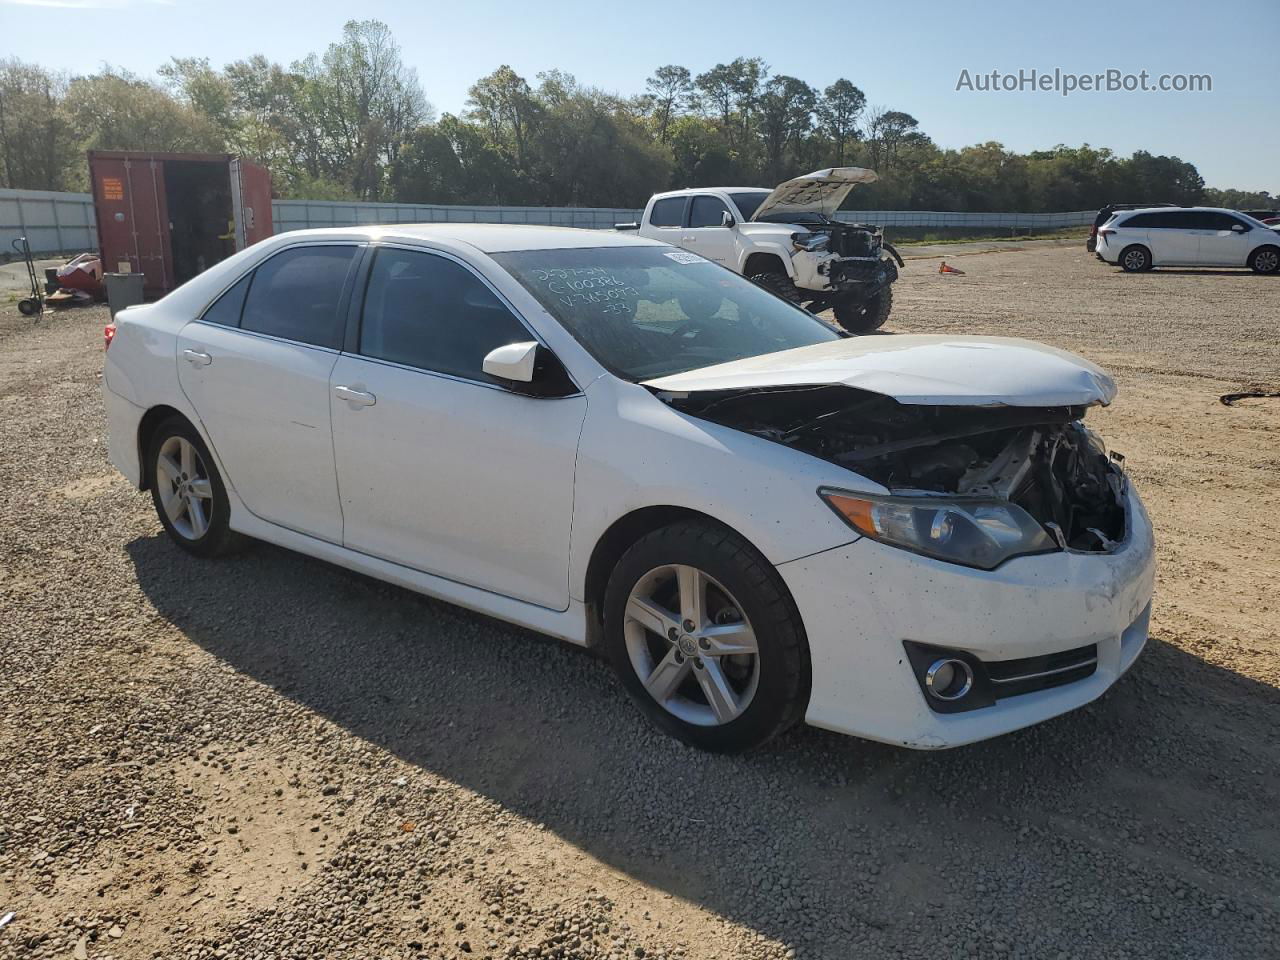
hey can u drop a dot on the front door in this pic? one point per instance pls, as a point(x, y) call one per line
point(706, 233)
point(1220, 245)
point(441, 468)
point(256, 368)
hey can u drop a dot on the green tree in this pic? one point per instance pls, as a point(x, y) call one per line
point(669, 89)
point(838, 111)
point(116, 110)
point(38, 149)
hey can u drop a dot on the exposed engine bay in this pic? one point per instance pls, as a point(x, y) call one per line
point(1041, 458)
point(842, 239)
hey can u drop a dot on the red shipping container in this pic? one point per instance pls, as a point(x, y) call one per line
point(170, 216)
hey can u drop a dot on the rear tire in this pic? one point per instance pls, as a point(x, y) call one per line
point(696, 615)
point(1265, 260)
point(188, 492)
point(1134, 259)
point(864, 316)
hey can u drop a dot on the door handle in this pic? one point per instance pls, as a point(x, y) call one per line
point(689, 239)
point(196, 358)
point(361, 398)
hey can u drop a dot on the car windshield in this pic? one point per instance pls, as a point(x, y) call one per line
point(650, 311)
point(748, 201)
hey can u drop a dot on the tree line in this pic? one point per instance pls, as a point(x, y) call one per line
point(353, 122)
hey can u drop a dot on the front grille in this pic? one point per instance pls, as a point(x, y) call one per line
point(1010, 678)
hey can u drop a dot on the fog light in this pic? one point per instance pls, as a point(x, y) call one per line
point(948, 679)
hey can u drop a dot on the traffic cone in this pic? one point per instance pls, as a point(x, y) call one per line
point(943, 268)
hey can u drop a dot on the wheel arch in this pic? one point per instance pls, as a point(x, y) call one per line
point(760, 261)
point(619, 537)
point(1265, 245)
point(1141, 245)
point(147, 426)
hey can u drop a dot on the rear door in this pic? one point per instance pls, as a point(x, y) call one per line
point(250, 202)
point(441, 468)
point(665, 220)
point(1172, 238)
point(256, 368)
point(706, 233)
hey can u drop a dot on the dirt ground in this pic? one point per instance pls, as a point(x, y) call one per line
point(270, 757)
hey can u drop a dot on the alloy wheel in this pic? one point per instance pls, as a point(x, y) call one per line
point(182, 480)
point(1267, 261)
point(1135, 259)
point(691, 646)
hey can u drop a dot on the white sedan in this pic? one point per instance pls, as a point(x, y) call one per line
point(755, 518)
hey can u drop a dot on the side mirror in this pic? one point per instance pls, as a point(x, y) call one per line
point(726, 219)
point(1237, 228)
point(513, 362)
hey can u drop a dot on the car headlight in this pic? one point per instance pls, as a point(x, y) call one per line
point(810, 242)
point(974, 532)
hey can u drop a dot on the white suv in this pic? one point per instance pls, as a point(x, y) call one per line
point(1188, 237)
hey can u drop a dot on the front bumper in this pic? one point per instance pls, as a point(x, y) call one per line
point(861, 601)
point(867, 275)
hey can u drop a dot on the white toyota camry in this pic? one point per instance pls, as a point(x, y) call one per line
point(755, 518)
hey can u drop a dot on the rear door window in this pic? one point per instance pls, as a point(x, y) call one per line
point(432, 313)
point(668, 212)
point(296, 295)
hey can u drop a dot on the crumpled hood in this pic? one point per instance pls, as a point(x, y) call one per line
point(819, 192)
point(918, 369)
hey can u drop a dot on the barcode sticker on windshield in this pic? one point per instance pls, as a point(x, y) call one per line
point(683, 256)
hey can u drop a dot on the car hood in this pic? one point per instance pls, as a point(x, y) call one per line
point(917, 369)
point(819, 192)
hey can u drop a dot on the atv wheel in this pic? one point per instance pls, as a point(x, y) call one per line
point(779, 284)
point(864, 316)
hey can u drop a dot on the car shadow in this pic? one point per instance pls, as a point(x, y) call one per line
point(818, 840)
point(1204, 271)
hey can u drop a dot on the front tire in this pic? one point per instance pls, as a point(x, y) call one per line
point(779, 284)
point(1265, 260)
point(1135, 259)
point(706, 639)
point(188, 492)
point(864, 316)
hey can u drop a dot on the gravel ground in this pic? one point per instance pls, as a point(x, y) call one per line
point(270, 757)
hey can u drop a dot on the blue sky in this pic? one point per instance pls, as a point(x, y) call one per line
point(905, 56)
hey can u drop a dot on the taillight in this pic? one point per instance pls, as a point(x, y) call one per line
point(1093, 230)
point(108, 334)
point(1106, 231)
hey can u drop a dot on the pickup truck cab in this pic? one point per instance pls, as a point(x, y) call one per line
point(786, 240)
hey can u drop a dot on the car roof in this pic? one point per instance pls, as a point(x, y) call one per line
point(486, 237)
point(690, 191)
point(1166, 209)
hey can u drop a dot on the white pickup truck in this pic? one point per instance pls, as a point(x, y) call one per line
point(787, 240)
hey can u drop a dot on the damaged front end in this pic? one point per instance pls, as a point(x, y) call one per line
point(841, 257)
point(1012, 480)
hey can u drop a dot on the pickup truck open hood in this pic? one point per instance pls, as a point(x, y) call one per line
point(917, 369)
point(819, 192)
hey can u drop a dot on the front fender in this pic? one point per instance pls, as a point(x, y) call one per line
point(637, 452)
point(775, 248)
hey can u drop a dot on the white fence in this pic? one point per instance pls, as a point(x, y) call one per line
point(64, 223)
point(51, 222)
